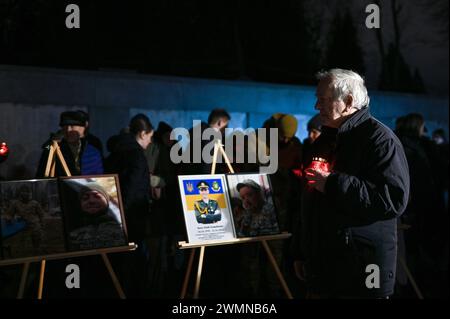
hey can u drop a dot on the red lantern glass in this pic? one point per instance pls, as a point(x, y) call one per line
point(320, 164)
point(4, 150)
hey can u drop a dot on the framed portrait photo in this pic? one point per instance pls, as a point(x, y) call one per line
point(93, 212)
point(206, 208)
point(252, 203)
point(31, 219)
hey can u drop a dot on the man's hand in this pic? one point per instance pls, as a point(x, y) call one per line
point(316, 178)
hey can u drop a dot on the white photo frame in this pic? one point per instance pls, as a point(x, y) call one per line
point(206, 208)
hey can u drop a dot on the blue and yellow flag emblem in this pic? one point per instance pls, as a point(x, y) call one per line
point(193, 193)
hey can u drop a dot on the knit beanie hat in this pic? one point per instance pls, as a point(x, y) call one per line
point(93, 186)
point(287, 125)
point(314, 123)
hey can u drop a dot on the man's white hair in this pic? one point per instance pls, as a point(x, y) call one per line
point(347, 82)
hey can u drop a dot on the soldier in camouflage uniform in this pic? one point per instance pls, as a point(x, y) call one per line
point(207, 210)
point(100, 228)
point(30, 211)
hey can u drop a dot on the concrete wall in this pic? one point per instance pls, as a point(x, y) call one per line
point(31, 100)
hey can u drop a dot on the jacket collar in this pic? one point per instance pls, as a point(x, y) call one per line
point(355, 120)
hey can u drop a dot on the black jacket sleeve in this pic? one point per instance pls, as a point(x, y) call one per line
point(134, 178)
point(382, 190)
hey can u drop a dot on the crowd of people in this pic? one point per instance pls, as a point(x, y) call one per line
point(385, 189)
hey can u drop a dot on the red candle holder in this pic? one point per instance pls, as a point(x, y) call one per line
point(320, 164)
point(4, 151)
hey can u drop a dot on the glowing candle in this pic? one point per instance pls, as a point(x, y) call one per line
point(4, 150)
point(320, 164)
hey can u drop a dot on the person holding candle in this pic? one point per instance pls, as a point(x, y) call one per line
point(356, 188)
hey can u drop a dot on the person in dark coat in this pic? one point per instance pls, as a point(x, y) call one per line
point(166, 226)
point(349, 213)
point(286, 192)
point(423, 178)
point(425, 217)
point(128, 161)
point(81, 157)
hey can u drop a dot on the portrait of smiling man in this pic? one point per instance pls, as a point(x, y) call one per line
point(98, 226)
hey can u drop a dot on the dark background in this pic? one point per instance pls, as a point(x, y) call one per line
point(255, 40)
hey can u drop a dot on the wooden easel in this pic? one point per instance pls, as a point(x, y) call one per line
point(262, 239)
point(103, 252)
point(55, 152)
point(404, 227)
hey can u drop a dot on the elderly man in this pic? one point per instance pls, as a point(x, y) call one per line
point(348, 235)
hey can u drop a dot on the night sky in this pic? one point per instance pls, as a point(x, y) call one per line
point(254, 40)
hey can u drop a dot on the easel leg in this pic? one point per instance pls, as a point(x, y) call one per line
point(224, 154)
point(188, 274)
point(277, 269)
point(53, 169)
point(41, 279)
point(113, 276)
point(50, 161)
point(199, 272)
point(411, 278)
point(23, 280)
point(61, 159)
point(214, 162)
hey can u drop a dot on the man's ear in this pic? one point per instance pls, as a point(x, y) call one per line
point(348, 101)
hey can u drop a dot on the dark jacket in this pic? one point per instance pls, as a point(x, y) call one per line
point(425, 212)
point(128, 161)
point(353, 224)
point(423, 185)
point(90, 161)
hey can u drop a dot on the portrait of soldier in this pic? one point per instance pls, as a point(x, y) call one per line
point(25, 208)
point(99, 227)
point(207, 210)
